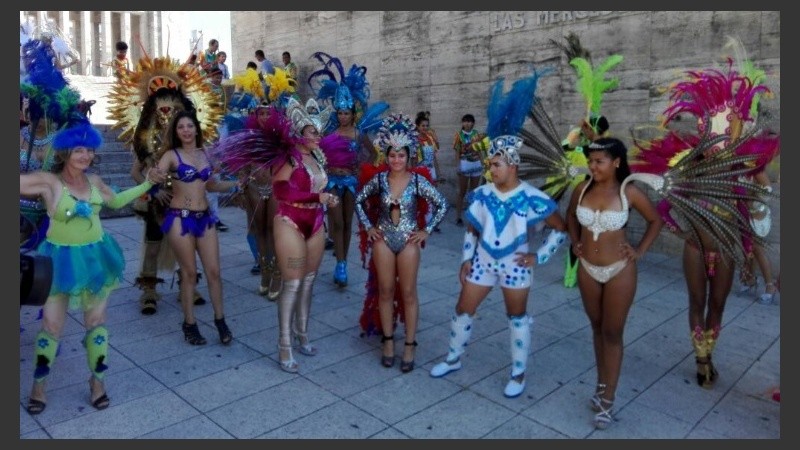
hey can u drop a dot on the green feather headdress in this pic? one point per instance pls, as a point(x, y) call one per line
point(592, 83)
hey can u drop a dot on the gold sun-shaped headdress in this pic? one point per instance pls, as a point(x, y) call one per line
point(134, 87)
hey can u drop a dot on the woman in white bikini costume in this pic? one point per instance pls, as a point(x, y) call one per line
point(596, 217)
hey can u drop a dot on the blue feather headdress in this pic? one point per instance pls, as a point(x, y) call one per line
point(506, 113)
point(80, 133)
point(344, 91)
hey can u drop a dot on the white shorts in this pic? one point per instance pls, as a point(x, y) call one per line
point(487, 271)
point(470, 168)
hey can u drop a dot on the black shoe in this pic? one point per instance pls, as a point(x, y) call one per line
point(192, 334)
point(255, 270)
point(328, 244)
point(221, 227)
point(225, 335)
point(437, 229)
point(459, 222)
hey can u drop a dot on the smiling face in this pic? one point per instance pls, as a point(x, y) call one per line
point(601, 165)
point(397, 159)
point(187, 131)
point(423, 126)
point(80, 158)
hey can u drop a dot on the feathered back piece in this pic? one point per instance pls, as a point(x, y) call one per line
point(50, 96)
point(746, 67)
point(250, 83)
point(279, 85)
point(260, 147)
point(372, 118)
point(701, 186)
point(573, 47)
point(592, 83)
point(725, 97)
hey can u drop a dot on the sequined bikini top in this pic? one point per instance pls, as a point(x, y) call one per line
point(188, 173)
point(598, 221)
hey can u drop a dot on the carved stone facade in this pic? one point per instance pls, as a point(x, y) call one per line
point(445, 61)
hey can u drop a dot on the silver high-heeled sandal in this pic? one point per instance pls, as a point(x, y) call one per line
point(594, 402)
point(606, 414)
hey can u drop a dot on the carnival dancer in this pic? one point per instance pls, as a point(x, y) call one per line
point(596, 217)
point(354, 120)
point(189, 224)
point(143, 102)
point(87, 262)
point(704, 200)
point(496, 249)
point(391, 209)
point(290, 144)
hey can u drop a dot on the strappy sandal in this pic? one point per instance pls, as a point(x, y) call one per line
point(388, 361)
point(290, 365)
point(595, 400)
point(408, 366)
point(35, 406)
point(304, 349)
point(606, 414)
point(706, 373)
point(101, 402)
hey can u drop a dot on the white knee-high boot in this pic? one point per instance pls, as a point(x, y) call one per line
point(460, 332)
point(520, 340)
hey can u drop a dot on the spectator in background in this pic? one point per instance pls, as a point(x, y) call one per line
point(207, 60)
point(221, 58)
point(120, 63)
point(264, 66)
point(289, 66)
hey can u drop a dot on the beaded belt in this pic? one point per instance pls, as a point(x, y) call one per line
point(188, 213)
point(313, 205)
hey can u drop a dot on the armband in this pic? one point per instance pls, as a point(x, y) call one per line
point(550, 245)
point(469, 247)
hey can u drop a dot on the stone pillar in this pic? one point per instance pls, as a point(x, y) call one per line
point(144, 32)
point(87, 37)
point(106, 52)
point(125, 28)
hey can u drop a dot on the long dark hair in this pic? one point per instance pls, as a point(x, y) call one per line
point(615, 149)
point(174, 140)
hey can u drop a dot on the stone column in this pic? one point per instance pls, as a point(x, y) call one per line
point(125, 28)
point(87, 50)
point(106, 51)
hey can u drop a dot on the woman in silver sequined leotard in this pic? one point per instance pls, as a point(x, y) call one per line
point(396, 238)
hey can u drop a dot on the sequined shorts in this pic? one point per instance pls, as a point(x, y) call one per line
point(602, 274)
point(488, 271)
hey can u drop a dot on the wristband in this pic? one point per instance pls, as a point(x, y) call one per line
point(550, 246)
point(469, 247)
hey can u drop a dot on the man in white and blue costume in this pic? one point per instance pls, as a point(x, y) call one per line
point(496, 251)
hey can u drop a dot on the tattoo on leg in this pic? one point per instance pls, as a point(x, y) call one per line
point(297, 263)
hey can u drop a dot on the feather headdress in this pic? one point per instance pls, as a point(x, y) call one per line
point(348, 90)
point(396, 132)
point(133, 101)
point(592, 83)
point(506, 114)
